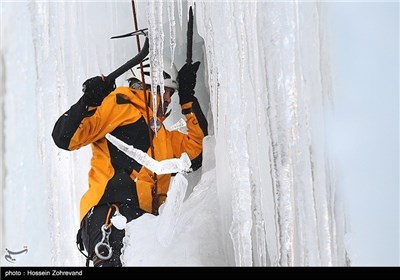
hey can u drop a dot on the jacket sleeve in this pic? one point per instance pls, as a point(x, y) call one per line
point(192, 142)
point(82, 125)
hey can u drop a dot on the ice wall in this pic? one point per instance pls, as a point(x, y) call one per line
point(268, 92)
point(268, 77)
point(25, 196)
point(47, 56)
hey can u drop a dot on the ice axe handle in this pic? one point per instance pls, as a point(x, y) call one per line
point(129, 64)
point(189, 38)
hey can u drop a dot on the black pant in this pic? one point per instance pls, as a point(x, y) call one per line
point(91, 233)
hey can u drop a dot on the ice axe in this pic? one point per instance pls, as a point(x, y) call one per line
point(110, 78)
point(189, 37)
point(132, 62)
point(143, 31)
point(189, 66)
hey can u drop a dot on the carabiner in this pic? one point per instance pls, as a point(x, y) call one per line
point(104, 242)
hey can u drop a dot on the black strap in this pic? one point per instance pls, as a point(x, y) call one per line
point(81, 247)
point(187, 111)
point(200, 116)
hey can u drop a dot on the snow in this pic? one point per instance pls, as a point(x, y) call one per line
point(269, 192)
point(188, 237)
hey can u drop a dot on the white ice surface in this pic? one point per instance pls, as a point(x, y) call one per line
point(269, 191)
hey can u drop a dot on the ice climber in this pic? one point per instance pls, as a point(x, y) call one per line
point(118, 185)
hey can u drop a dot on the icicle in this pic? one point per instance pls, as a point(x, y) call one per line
point(180, 12)
point(171, 211)
point(172, 36)
point(167, 166)
point(156, 44)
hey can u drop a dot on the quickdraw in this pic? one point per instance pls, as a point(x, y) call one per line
point(103, 250)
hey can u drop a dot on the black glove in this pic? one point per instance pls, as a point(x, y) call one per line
point(187, 82)
point(95, 90)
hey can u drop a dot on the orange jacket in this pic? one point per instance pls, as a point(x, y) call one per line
point(115, 177)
